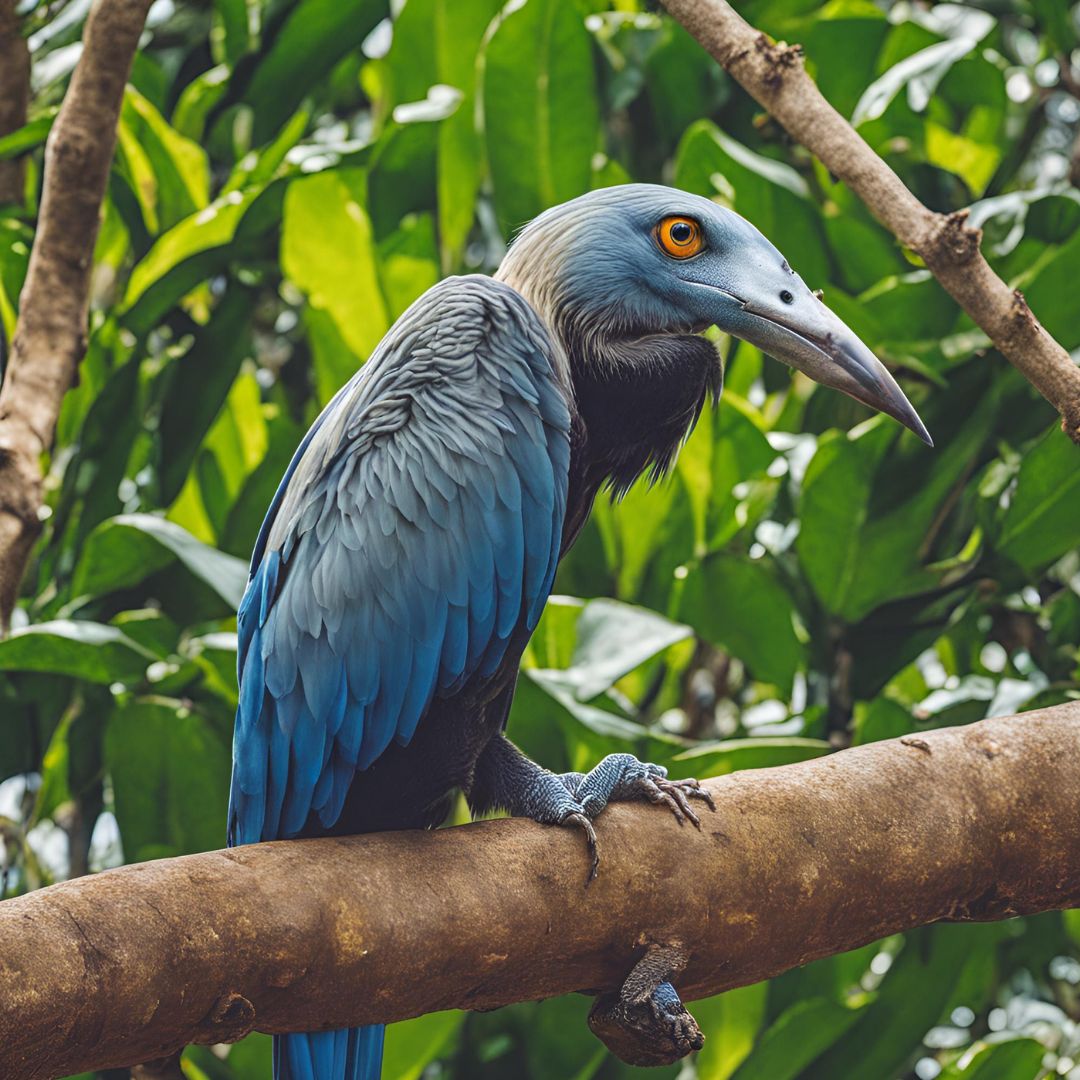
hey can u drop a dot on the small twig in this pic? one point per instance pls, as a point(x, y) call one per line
point(774, 75)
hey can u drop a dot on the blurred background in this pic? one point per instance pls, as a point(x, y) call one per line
point(291, 175)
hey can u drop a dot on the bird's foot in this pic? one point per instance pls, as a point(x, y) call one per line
point(622, 778)
point(645, 1023)
point(508, 780)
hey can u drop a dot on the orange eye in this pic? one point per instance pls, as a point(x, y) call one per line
point(679, 237)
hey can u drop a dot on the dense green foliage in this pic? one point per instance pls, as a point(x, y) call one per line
point(290, 175)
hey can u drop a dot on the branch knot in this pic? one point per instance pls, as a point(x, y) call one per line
point(231, 1018)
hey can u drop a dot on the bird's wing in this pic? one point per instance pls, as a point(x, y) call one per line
point(417, 527)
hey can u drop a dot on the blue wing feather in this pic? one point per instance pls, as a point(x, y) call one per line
point(417, 526)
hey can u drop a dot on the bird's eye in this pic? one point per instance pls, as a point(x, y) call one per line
point(679, 237)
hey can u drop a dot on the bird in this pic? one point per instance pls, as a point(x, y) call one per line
point(410, 548)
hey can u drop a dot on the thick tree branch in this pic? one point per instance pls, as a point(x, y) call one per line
point(50, 336)
point(774, 75)
point(14, 97)
point(800, 862)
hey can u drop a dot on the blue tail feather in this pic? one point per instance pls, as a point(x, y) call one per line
point(346, 1054)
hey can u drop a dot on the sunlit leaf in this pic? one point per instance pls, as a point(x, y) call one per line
point(328, 251)
point(411, 1045)
point(540, 109)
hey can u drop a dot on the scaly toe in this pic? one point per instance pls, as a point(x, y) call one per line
point(658, 795)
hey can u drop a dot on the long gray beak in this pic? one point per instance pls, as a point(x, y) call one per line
point(808, 336)
point(767, 305)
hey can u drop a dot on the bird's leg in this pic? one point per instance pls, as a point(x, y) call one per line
point(645, 1023)
point(506, 779)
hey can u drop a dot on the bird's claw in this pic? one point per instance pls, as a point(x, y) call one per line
point(675, 795)
point(579, 819)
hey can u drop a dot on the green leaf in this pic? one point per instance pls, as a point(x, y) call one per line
point(1011, 1058)
point(328, 251)
point(855, 558)
point(313, 37)
point(541, 116)
point(460, 26)
point(1042, 521)
point(252, 1057)
point(726, 449)
point(612, 639)
point(734, 755)
point(920, 73)
point(736, 602)
point(233, 16)
point(333, 362)
point(170, 777)
point(183, 257)
point(83, 650)
point(730, 1022)
point(940, 968)
point(798, 1036)
point(1047, 284)
point(29, 136)
point(854, 31)
point(200, 383)
point(413, 1044)
point(170, 173)
point(880, 719)
point(767, 192)
point(127, 549)
point(408, 262)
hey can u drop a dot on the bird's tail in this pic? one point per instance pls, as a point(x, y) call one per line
point(346, 1054)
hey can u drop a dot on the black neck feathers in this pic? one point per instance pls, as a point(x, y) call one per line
point(638, 400)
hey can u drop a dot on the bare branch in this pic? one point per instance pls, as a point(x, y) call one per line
point(774, 75)
point(50, 337)
point(970, 823)
point(14, 96)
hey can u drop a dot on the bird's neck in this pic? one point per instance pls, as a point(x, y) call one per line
point(638, 400)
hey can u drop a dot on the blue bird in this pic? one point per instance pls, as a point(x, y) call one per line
point(410, 548)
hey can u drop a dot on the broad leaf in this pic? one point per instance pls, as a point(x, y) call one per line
point(170, 778)
point(1042, 520)
point(81, 649)
point(540, 109)
point(126, 549)
point(328, 251)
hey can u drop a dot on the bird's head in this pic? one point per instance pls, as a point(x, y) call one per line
point(640, 260)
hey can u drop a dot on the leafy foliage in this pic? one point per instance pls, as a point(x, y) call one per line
point(290, 176)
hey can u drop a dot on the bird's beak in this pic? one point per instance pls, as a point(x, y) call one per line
point(806, 335)
point(822, 346)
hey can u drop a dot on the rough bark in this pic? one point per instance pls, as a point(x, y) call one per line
point(14, 97)
point(774, 75)
point(971, 823)
point(50, 336)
